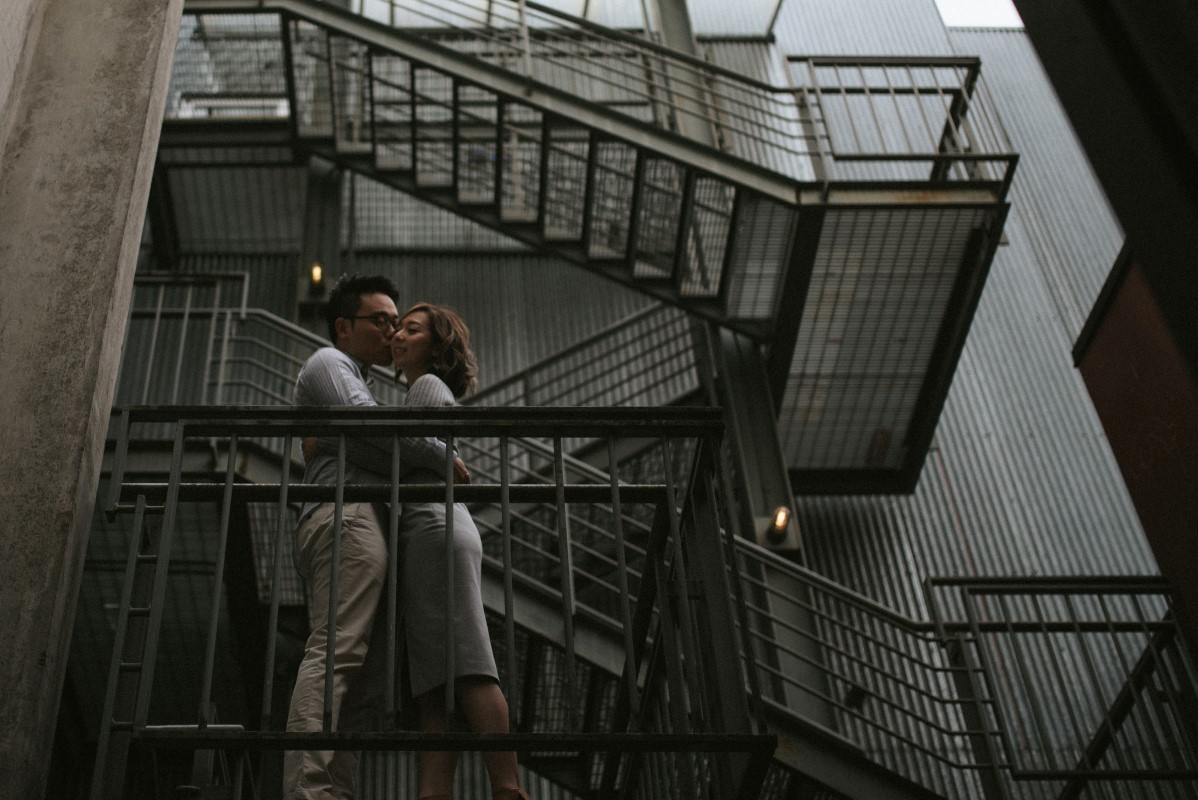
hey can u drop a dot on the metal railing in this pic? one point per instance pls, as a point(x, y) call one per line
point(908, 112)
point(250, 357)
point(809, 126)
point(1027, 688)
point(681, 713)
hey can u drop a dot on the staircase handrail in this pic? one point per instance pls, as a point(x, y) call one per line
point(952, 691)
point(703, 72)
point(516, 378)
point(771, 164)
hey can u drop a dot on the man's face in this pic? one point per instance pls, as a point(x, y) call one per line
point(367, 337)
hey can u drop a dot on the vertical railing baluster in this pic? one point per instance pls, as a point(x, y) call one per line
point(391, 708)
point(509, 610)
point(181, 349)
point(449, 580)
point(898, 109)
point(1058, 673)
point(1101, 705)
point(671, 654)
point(102, 772)
point(209, 343)
point(1129, 669)
point(117, 473)
point(630, 671)
point(977, 670)
point(708, 454)
point(153, 340)
point(219, 399)
point(689, 651)
point(330, 645)
point(525, 40)
point(218, 581)
point(566, 560)
point(276, 578)
point(161, 577)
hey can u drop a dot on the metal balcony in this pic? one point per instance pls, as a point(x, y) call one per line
point(1014, 689)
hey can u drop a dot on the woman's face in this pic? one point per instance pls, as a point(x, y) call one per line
point(412, 346)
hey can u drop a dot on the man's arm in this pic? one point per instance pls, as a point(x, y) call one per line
point(331, 378)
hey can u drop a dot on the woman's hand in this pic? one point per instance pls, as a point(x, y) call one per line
point(460, 473)
point(308, 448)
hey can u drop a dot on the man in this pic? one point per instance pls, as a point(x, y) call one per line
point(362, 318)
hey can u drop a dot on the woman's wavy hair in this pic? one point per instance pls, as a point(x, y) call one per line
point(453, 360)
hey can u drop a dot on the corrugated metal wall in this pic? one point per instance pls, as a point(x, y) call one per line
point(520, 308)
point(1068, 221)
point(859, 27)
point(1020, 479)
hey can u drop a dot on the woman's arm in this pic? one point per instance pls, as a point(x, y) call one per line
point(431, 391)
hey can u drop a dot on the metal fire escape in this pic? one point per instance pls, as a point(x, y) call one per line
point(848, 205)
point(1014, 688)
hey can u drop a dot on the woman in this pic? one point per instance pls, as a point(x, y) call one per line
point(432, 351)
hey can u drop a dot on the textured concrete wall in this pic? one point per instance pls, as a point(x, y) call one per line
point(17, 23)
point(84, 108)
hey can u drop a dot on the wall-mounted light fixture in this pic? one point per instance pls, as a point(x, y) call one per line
point(316, 283)
point(779, 525)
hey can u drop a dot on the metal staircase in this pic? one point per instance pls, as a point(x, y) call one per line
point(571, 138)
point(865, 702)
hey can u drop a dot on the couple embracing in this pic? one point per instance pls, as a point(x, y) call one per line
point(429, 345)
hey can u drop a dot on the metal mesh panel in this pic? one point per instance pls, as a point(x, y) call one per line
point(760, 244)
point(477, 125)
point(312, 79)
point(228, 66)
point(611, 190)
point(566, 180)
point(878, 297)
point(521, 163)
point(391, 94)
point(378, 216)
point(658, 219)
point(706, 242)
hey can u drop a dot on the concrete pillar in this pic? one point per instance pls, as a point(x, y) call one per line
point(82, 87)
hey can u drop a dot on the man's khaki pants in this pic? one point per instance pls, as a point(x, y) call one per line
point(323, 774)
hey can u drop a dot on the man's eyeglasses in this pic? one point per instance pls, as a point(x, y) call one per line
point(381, 320)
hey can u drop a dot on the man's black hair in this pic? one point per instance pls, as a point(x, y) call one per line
point(346, 297)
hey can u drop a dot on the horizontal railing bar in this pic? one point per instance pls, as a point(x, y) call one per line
point(1123, 774)
point(1053, 584)
point(408, 492)
point(517, 379)
point(888, 61)
point(881, 726)
point(697, 418)
point(753, 550)
point(173, 736)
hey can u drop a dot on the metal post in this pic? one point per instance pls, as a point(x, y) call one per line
point(449, 580)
